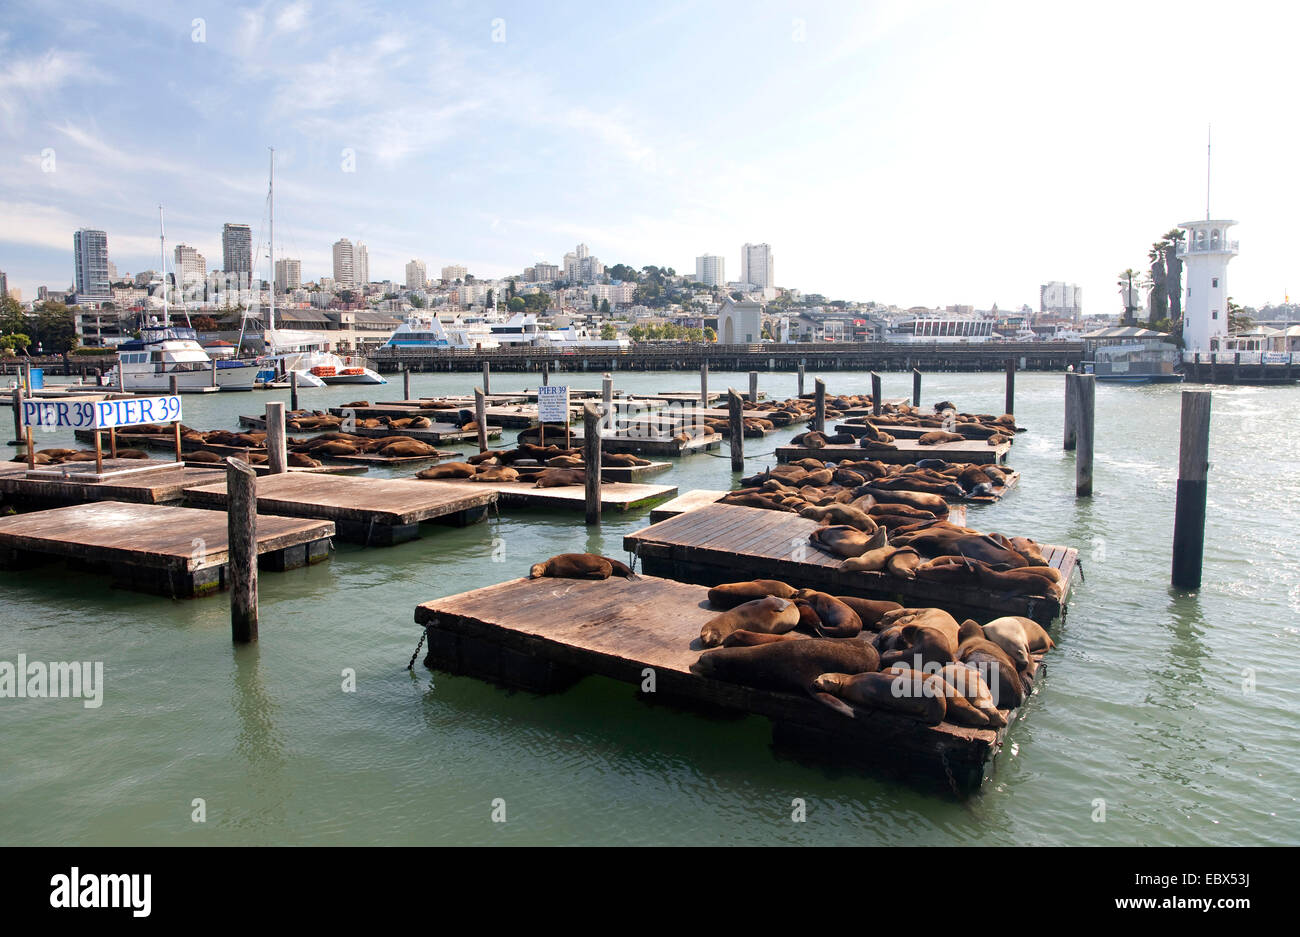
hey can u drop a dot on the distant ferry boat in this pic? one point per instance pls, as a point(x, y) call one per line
point(1136, 363)
point(308, 354)
point(422, 331)
point(164, 351)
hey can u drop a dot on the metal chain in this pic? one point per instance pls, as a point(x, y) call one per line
point(424, 634)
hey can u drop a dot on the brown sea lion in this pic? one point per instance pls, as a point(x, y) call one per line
point(928, 635)
point(449, 470)
point(998, 670)
point(843, 540)
point(495, 473)
point(790, 666)
point(564, 461)
point(301, 460)
point(873, 561)
point(939, 436)
point(844, 514)
point(580, 566)
point(203, 456)
point(1028, 580)
point(1037, 640)
point(770, 615)
point(869, 610)
point(835, 618)
point(408, 448)
point(900, 691)
point(731, 594)
point(133, 454)
point(1029, 550)
point(755, 638)
point(560, 478)
point(967, 682)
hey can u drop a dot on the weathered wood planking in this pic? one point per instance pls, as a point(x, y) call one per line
point(659, 445)
point(728, 543)
point(158, 548)
point(696, 498)
point(616, 496)
point(157, 483)
point(905, 451)
point(915, 432)
point(612, 473)
point(544, 634)
point(367, 510)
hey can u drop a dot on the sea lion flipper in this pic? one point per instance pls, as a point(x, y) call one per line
point(834, 702)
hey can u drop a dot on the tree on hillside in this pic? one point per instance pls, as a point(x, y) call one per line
point(604, 307)
point(516, 304)
point(608, 332)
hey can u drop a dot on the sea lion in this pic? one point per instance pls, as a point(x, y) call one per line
point(731, 594)
point(201, 456)
point(580, 566)
point(873, 561)
point(1036, 637)
point(407, 449)
point(1028, 580)
point(923, 644)
point(966, 681)
point(1008, 634)
point(449, 470)
point(485, 456)
point(938, 437)
point(298, 460)
point(998, 670)
point(835, 618)
point(900, 691)
point(869, 611)
point(1029, 550)
point(496, 473)
point(770, 615)
point(842, 514)
point(564, 461)
point(843, 540)
point(790, 666)
point(560, 478)
point(755, 638)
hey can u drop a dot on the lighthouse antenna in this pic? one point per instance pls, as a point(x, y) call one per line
point(1207, 172)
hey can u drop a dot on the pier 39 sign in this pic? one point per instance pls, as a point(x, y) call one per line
point(100, 414)
point(553, 404)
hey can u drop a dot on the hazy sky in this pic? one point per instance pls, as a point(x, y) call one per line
point(913, 153)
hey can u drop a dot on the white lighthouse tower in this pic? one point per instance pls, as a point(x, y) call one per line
point(1205, 305)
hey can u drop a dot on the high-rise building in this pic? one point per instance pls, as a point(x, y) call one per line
point(4, 285)
point(581, 267)
point(453, 273)
point(191, 266)
point(710, 270)
point(756, 265)
point(345, 273)
point(90, 250)
point(288, 274)
point(417, 275)
point(237, 250)
point(1060, 299)
point(361, 264)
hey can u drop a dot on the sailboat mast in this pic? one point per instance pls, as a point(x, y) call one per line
point(271, 317)
point(162, 269)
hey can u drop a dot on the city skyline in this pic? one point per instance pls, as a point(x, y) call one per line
point(899, 182)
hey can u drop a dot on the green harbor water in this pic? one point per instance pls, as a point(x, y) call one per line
point(1177, 711)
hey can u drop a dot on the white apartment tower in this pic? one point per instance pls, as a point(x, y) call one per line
point(417, 275)
point(90, 255)
point(288, 274)
point(191, 266)
point(756, 265)
point(345, 271)
point(710, 270)
point(1205, 257)
point(454, 272)
point(1060, 299)
point(361, 264)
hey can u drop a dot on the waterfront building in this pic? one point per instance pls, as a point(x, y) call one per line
point(1205, 254)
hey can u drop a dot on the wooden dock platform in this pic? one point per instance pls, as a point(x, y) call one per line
point(369, 511)
point(153, 482)
point(434, 435)
point(168, 550)
point(659, 445)
point(611, 473)
point(614, 496)
point(905, 452)
point(915, 432)
point(544, 635)
point(692, 500)
point(728, 543)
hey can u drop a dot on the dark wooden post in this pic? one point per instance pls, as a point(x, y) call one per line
point(241, 559)
point(753, 387)
point(704, 383)
point(736, 429)
point(916, 387)
point(546, 373)
point(173, 385)
point(213, 374)
point(406, 383)
point(1085, 393)
point(1071, 430)
point(1193, 471)
point(1011, 386)
point(591, 459)
point(18, 413)
point(480, 417)
point(487, 378)
point(27, 378)
point(112, 442)
point(875, 394)
point(121, 379)
point(176, 439)
point(819, 405)
point(293, 390)
point(99, 452)
point(277, 455)
point(607, 401)
point(800, 392)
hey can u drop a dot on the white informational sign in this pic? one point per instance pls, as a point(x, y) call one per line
point(100, 414)
point(1276, 357)
point(552, 403)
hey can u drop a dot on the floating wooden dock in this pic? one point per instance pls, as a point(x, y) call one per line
point(614, 496)
point(659, 445)
point(544, 635)
point(611, 473)
point(905, 452)
point(174, 551)
point(148, 482)
point(916, 432)
point(729, 543)
point(434, 435)
point(693, 499)
point(370, 511)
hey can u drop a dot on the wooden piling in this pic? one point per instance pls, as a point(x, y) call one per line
point(1071, 430)
point(875, 394)
point(112, 442)
point(546, 373)
point(1193, 471)
point(1011, 386)
point(18, 413)
point(480, 414)
point(121, 379)
point(753, 387)
point(406, 383)
point(99, 454)
point(241, 562)
point(704, 383)
point(27, 376)
point(819, 405)
point(916, 387)
point(173, 385)
point(591, 459)
point(277, 453)
point(212, 373)
point(800, 393)
point(293, 390)
point(487, 378)
point(736, 428)
point(607, 401)
point(1085, 397)
point(176, 439)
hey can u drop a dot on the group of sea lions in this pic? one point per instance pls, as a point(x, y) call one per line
point(306, 420)
point(60, 456)
point(948, 424)
point(894, 495)
point(546, 466)
point(848, 652)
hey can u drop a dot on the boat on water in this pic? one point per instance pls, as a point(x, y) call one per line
point(424, 331)
point(1148, 362)
point(164, 351)
point(308, 354)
